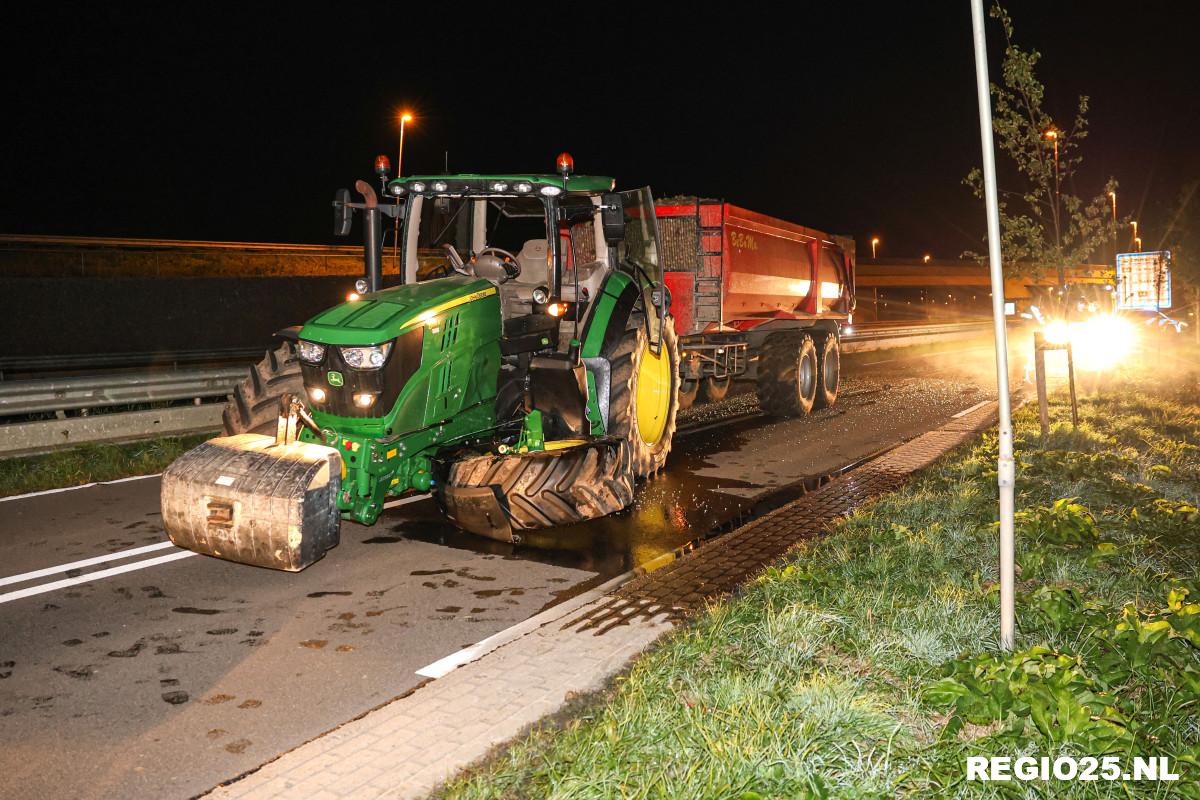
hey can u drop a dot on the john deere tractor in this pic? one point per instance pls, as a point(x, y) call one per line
point(524, 370)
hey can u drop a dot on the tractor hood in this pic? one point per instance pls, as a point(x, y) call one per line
point(381, 316)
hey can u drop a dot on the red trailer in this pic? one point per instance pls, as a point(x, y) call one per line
point(758, 298)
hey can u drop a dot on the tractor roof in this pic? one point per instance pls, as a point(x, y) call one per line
point(473, 183)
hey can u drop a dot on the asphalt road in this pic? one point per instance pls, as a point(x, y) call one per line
point(181, 673)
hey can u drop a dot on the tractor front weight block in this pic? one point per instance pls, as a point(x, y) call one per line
point(249, 499)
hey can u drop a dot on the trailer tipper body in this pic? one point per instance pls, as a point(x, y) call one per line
point(755, 297)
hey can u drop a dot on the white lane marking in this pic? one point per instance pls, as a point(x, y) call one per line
point(87, 562)
point(447, 664)
point(80, 486)
point(406, 500)
point(975, 407)
point(94, 576)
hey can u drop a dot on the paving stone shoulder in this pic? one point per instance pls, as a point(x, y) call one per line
point(410, 746)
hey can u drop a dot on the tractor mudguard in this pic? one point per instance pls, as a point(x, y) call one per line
point(245, 498)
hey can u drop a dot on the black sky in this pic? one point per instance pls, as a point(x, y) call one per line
point(219, 123)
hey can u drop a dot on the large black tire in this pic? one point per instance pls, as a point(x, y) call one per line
point(787, 374)
point(647, 451)
point(554, 487)
point(829, 370)
point(254, 405)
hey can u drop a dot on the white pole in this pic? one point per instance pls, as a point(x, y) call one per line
point(1005, 467)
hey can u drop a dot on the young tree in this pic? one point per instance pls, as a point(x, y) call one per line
point(1042, 227)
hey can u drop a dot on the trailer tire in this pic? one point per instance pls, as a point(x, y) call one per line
point(254, 405)
point(547, 488)
point(787, 374)
point(715, 390)
point(648, 429)
point(829, 370)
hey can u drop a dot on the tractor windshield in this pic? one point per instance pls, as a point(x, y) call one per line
point(516, 225)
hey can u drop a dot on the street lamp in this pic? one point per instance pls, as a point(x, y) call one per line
point(1137, 242)
point(874, 245)
point(926, 258)
point(405, 118)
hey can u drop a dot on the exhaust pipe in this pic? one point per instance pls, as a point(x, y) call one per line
point(372, 242)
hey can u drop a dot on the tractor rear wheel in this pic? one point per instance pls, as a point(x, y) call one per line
point(787, 374)
point(563, 486)
point(254, 405)
point(644, 395)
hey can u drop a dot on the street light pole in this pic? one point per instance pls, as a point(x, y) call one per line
point(1113, 196)
point(405, 117)
point(1006, 467)
point(1052, 135)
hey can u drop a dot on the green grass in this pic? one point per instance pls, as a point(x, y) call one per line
point(89, 463)
point(866, 663)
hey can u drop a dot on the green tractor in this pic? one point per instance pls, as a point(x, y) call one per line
point(525, 371)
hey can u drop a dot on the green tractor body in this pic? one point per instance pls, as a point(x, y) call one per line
point(524, 370)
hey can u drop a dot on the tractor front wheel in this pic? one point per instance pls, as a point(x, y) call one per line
point(644, 395)
point(254, 405)
point(528, 491)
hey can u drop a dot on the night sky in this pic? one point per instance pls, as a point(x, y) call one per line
point(853, 118)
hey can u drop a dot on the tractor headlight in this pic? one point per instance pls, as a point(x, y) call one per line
point(417, 186)
point(366, 357)
point(551, 191)
point(523, 187)
point(440, 186)
point(541, 295)
point(311, 352)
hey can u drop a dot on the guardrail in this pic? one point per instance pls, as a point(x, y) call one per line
point(207, 388)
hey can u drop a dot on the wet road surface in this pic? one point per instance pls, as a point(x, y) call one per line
point(163, 681)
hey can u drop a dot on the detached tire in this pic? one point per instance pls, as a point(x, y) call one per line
point(254, 405)
point(787, 374)
point(644, 395)
point(829, 370)
point(545, 489)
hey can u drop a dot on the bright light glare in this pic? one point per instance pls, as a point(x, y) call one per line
point(1097, 343)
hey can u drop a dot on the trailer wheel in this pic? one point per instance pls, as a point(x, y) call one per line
point(829, 370)
point(787, 374)
point(688, 392)
point(644, 395)
point(581, 481)
point(254, 405)
point(715, 390)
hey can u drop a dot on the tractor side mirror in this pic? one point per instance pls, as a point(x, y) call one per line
point(612, 218)
point(343, 214)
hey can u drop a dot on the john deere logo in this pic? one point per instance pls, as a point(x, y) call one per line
point(335, 378)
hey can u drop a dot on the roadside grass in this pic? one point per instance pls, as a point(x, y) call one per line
point(866, 664)
point(89, 463)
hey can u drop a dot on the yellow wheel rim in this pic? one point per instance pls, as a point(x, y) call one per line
point(653, 394)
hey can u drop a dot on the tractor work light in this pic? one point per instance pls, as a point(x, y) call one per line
point(417, 186)
point(364, 400)
point(540, 295)
point(551, 191)
point(522, 187)
point(361, 286)
point(499, 186)
point(311, 352)
point(396, 189)
point(317, 394)
point(372, 357)
point(440, 186)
